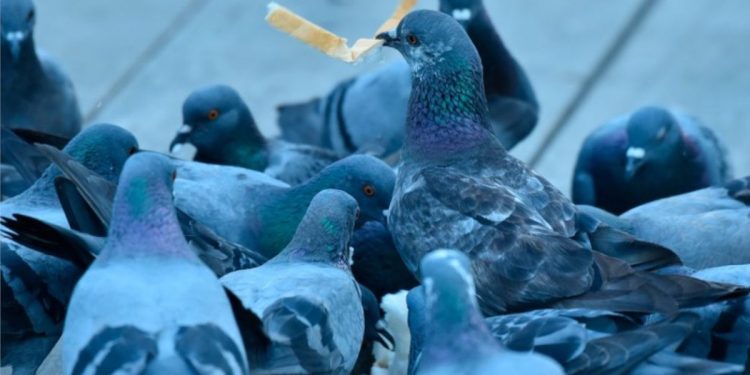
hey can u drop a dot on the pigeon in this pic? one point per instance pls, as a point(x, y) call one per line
point(649, 154)
point(219, 124)
point(36, 93)
point(305, 301)
point(368, 112)
point(261, 213)
point(709, 227)
point(583, 340)
point(457, 187)
point(36, 287)
point(376, 262)
point(456, 339)
point(146, 263)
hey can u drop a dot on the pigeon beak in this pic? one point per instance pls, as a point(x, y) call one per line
point(14, 39)
point(385, 338)
point(635, 157)
point(389, 38)
point(183, 136)
point(462, 16)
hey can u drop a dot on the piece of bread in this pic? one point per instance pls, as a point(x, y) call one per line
point(326, 41)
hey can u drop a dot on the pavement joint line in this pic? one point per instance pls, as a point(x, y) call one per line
point(178, 23)
point(618, 45)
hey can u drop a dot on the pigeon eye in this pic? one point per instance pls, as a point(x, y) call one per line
point(412, 39)
point(132, 150)
point(30, 16)
point(213, 114)
point(368, 190)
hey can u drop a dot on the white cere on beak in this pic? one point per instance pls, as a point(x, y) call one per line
point(185, 129)
point(392, 33)
point(15, 36)
point(461, 14)
point(635, 152)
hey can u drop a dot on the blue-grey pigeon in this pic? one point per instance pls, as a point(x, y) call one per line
point(36, 93)
point(305, 300)
point(219, 124)
point(649, 154)
point(112, 325)
point(368, 112)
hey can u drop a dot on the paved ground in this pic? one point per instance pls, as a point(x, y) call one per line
point(134, 61)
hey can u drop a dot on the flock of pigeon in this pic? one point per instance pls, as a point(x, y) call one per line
point(295, 255)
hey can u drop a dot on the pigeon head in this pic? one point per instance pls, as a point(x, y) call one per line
point(462, 11)
point(18, 18)
point(366, 178)
point(143, 215)
point(323, 234)
point(448, 113)
point(433, 42)
point(452, 321)
point(653, 136)
point(103, 148)
point(213, 117)
point(448, 285)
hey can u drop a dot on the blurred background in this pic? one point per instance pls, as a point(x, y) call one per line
point(133, 62)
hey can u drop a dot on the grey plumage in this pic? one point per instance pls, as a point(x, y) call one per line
point(706, 228)
point(458, 187)
point(89, 201)
point(146, 262)
point(267, 222)
point(36, 93)
point(36, 287)
point(306, 297)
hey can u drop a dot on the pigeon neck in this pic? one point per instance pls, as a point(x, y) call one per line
point(447, 112)
point(144, 222)
point(25, 70)
point(246, 153)
point(319, 239)
point(501, 76)
point(281, 213)
point(454, 321)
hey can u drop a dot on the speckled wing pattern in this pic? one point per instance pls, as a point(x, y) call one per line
point(514, 225)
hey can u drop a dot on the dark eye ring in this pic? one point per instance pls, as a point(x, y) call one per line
point(368, 190)
point(30, 16)
point(132, 150)
point(412, 39)
point(213, 114)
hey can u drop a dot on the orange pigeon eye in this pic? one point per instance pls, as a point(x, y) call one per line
point(132, 150)
point(368, 190)
point(213, 114)
point(412, 39)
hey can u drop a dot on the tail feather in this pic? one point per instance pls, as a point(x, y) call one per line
point(301, 122)
point(619, 353)
point(50, 239)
